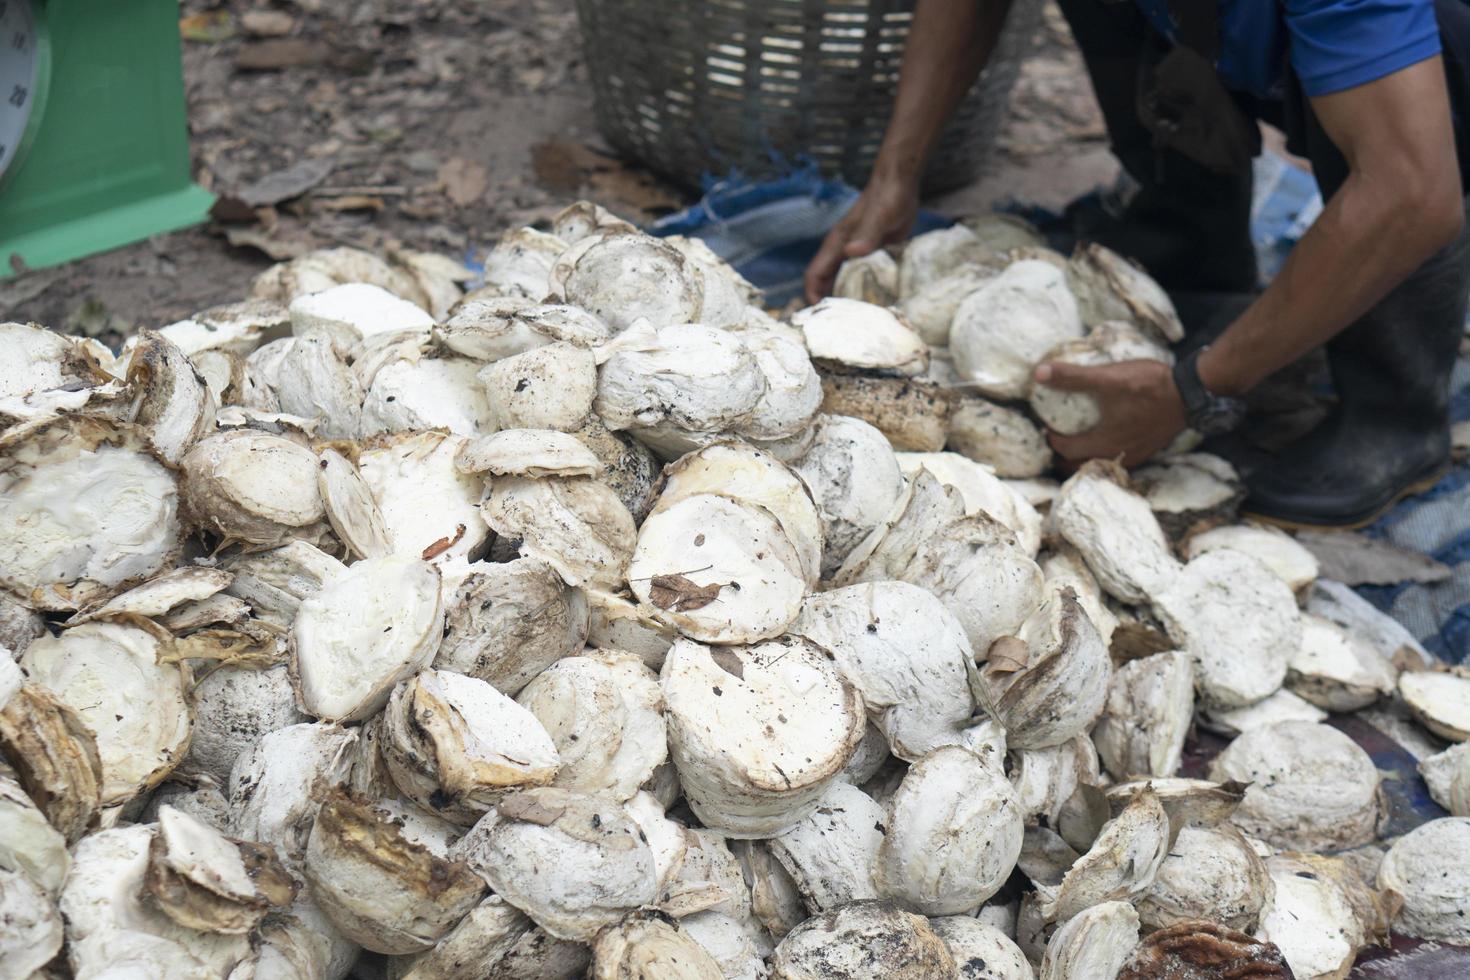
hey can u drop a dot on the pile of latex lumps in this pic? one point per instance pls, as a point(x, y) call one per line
point(596, 621)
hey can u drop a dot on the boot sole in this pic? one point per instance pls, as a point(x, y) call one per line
point(1413, 489)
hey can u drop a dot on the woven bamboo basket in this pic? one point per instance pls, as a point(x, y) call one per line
point(700, 87)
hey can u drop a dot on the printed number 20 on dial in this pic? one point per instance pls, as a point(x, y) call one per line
point(19, 60)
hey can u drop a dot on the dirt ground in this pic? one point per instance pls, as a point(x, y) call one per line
point(438, 123)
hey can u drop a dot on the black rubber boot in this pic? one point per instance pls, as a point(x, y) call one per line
point(1388, 437)
point(1184, 223)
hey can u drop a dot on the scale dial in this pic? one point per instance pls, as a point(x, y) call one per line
point(23, 63)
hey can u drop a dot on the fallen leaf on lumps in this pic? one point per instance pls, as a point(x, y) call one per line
point(402, 470)
point(675, 593)
point(1060, 688)
point(753, 476)
point(719, 570)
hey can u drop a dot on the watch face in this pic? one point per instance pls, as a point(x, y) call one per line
point(1218, 416)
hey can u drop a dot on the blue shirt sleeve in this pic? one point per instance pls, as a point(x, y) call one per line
point(1341, 44)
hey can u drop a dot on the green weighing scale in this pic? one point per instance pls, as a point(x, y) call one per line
point(94, 145)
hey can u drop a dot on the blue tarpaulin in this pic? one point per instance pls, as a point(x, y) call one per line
point(770, 231)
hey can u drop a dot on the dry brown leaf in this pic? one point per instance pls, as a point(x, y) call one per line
point(1134, 641)
point(443, 544)
point(1356, 559)
point(348, 202)
point(275, 245)
point(267, 23)
point(678, 594)
point(464, 181)
point(563, 166)
point(530, 810)
point(207, 28)
point(286, 183)
point(1007, 655)
point(285, 52)
point(729, 662)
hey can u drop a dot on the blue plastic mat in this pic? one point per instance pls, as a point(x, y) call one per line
point(770, 231)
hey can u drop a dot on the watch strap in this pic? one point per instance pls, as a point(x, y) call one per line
point(1192, 390)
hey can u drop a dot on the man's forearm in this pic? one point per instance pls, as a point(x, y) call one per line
point(1367, 241)
point(948, 45)
point(1399, 205)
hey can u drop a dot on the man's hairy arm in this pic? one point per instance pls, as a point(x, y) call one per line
point(1400, 204)
point(949, 43)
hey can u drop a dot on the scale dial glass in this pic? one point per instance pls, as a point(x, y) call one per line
point(20, 77)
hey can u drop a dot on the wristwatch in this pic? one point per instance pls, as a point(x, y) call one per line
point(1209, 414)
